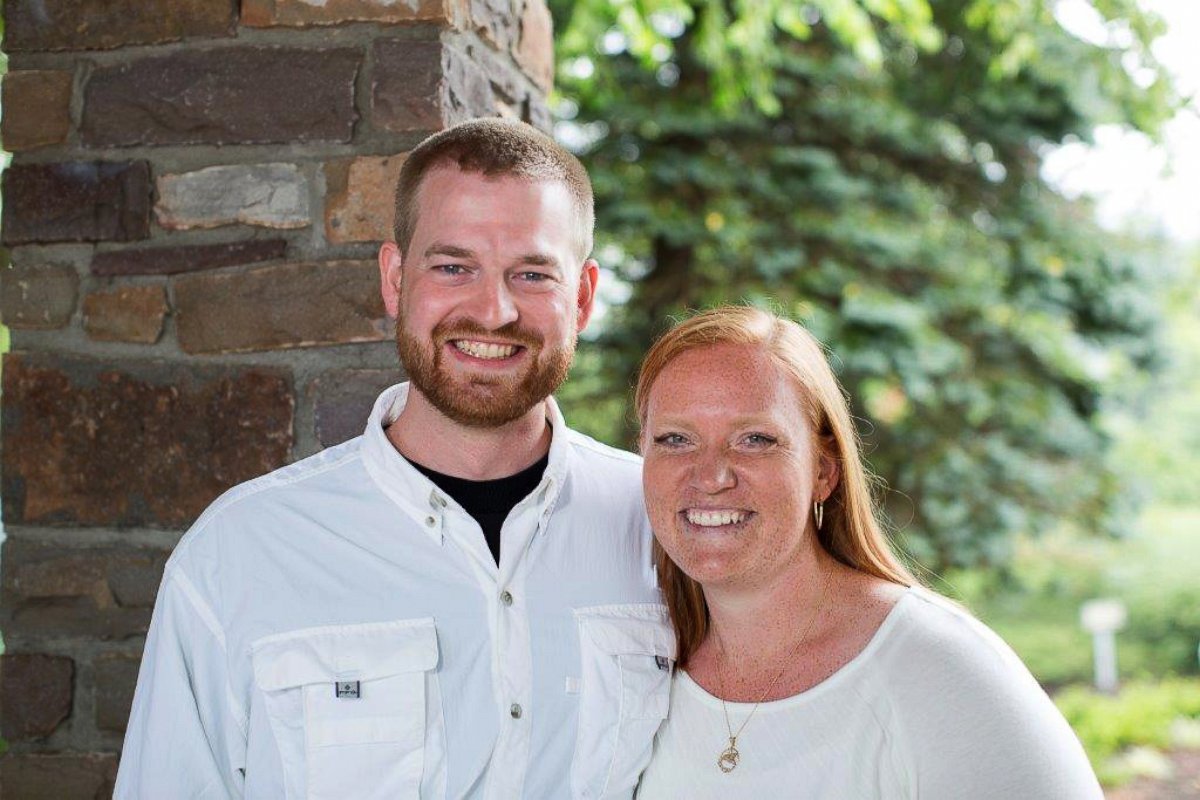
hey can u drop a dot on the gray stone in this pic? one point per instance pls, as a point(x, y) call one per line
point(342, 401)
point(268, 195)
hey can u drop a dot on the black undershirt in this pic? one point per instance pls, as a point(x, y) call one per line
point(489, 502)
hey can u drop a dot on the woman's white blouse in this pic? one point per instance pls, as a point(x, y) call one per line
point(935, 707)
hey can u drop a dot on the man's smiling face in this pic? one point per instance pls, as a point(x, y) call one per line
point(491, 294)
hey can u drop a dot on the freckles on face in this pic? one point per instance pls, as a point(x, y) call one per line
point(729, 465)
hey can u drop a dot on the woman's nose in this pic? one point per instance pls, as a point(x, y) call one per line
point(713, 472)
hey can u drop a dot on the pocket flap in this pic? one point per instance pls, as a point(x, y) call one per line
point(362, 652)
point(643, 629)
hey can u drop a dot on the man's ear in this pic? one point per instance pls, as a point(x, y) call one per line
point(589, 276)
point(390, 261)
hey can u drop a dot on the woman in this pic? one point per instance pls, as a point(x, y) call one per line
point(810, 664)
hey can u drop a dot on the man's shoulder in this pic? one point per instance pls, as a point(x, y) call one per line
point(607, 456)
point(299, 482)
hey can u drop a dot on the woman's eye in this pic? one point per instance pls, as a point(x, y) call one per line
point(670, 439)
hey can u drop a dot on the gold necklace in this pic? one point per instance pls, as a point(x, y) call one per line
point(728, 760)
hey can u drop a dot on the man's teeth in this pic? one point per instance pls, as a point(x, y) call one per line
point(485, 349)
point(713, 519)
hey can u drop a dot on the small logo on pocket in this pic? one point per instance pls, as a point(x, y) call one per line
point(347, 689)
point(662, 663)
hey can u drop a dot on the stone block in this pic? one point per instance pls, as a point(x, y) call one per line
point(271, 308)
point(35, 694)
point(105, 24)
point(37, 108)
point(146, 443)
point(342, 401)
point(360, 198)
point(64, 776)
point(270, 13)
point(77, 201)
point(425, 86)
point(116, 676)
point(38, 298)
point(496, 22)
point(186, 258)
point(80, 592)
point(535, 49)
point(125, 314)
point(242, 95)
point(267, 195)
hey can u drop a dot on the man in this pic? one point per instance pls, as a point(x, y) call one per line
point(460, 602)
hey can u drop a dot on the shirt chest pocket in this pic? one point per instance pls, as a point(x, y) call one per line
point(350, 707)
point(626, 653)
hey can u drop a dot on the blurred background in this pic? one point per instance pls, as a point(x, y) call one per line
point(987, 209)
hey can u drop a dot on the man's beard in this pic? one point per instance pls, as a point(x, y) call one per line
point(482, 400)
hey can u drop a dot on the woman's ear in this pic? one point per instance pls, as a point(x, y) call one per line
point(829, 468)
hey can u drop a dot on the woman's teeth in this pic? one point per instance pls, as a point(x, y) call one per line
point(485, 349)
point(714, 519)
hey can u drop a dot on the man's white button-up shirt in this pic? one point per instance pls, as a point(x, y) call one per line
point(339, 629)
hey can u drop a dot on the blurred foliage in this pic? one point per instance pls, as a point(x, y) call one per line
point(1142, 714)
point(1035, 605)
point(871, 168)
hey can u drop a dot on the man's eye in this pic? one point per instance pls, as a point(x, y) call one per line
point(759, 440)
point(449, 269)
point(533, 277)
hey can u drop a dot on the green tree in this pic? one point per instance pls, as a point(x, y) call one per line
point(871, 168)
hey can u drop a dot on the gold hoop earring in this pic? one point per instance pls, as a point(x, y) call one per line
point(819, 513)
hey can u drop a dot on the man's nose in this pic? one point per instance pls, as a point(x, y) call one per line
point(713, 472)
point(492, 304)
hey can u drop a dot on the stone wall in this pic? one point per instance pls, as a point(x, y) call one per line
point(193, 208)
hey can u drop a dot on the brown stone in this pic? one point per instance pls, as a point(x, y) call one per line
point(143, 443)
point(77, 201)
point(425, 86)
point(343, 398)
point(90, 592)
point(269, 13)
point(242, 95)
point(37, 108)
point(186, 258)
point(125, 314)
point(116, 676)
point(35, 694)
point(360, 198)
point(535, 50)
point(270, 308)
point(105, 24)
point(40, 298)
point(31, 776)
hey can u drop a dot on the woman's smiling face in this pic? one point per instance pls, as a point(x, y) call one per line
point(732, 466)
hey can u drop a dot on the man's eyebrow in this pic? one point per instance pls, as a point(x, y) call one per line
point(538, 260)
point(450, 250)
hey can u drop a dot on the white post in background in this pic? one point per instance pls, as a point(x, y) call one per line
point(1103, 618)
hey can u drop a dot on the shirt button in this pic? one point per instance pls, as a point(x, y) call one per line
point(515, 711)
point(431, 521)
point(506, 597)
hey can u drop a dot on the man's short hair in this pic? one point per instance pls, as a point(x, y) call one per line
point(494, 147)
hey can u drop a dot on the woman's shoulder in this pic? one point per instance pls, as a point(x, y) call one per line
point(933, 640)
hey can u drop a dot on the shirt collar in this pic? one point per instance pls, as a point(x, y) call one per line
point(418, 496)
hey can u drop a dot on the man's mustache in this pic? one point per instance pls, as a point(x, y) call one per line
point(512, 333)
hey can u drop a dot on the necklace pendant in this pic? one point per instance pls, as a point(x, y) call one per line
point(729, 756)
